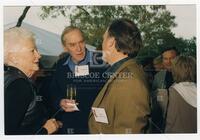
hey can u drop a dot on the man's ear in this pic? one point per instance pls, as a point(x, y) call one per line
point(112, 42)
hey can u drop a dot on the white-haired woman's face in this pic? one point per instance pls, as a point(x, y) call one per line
point(27, 57)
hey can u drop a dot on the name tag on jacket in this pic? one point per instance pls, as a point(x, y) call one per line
point(81, 70)
point(100, 115)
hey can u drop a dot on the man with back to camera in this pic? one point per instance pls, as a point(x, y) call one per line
point(122, 105)
point(80, 72)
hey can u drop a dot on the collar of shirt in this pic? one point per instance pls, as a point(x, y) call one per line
point(116, 65)
point(85, 61)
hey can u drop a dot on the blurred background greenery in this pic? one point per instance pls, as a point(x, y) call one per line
point(154, 21)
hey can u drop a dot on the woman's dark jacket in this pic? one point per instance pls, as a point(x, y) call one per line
point(24, 112)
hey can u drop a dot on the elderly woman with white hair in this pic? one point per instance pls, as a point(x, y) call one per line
point(24, 114)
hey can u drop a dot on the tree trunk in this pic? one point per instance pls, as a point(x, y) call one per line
point(20, 20)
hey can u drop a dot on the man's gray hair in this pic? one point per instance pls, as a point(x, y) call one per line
point(13, 38)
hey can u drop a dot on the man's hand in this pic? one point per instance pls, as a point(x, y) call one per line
point(67, 105)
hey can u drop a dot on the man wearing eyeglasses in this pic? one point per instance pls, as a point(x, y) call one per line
point(79, 71)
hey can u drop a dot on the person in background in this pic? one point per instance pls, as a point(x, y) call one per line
point(182, 107)
point(163, 79)
point(122, 105)
point(78, 78)
point(157, 63)
point(24, 112)
point(159, 95)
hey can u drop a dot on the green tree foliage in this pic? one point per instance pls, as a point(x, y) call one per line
point(154, 21)
point(183, 46)
point(93, 20)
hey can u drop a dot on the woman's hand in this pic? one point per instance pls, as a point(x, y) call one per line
point(52, 125)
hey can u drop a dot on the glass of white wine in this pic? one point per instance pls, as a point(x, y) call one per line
point(71, 95)
point(71, 92)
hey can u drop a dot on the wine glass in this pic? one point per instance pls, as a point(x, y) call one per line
point(71, 95)
point(71, 92)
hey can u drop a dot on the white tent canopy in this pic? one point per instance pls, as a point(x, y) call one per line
point(48, 44)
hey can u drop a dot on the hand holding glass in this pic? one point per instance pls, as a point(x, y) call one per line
point(71, 95)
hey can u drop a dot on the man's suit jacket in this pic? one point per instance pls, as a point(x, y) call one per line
point(125, 98)
point(87, 89)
